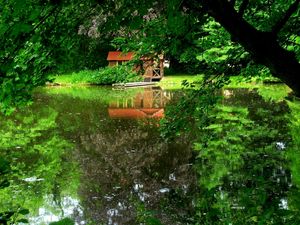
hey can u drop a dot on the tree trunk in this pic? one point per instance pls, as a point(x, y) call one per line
point(263, 46)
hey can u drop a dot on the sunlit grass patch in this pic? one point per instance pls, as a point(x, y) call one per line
point(175, 81)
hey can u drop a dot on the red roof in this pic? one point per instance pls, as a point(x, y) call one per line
point(119, 56)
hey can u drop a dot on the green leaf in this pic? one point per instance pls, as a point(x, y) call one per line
point(24, 211)
point(65, 221)
point(23, 221)
point(153, 221)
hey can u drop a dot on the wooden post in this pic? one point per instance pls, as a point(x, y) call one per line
point(161, 65)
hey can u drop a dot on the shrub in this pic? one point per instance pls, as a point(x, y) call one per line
point(115, 74)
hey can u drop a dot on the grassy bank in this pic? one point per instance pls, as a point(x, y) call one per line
point(79, 78)
point(86, 77)
point(103, 76)
point(175, 81)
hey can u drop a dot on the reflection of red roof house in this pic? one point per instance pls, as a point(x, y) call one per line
point(136, 113)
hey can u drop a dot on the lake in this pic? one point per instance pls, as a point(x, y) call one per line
point(97, 156)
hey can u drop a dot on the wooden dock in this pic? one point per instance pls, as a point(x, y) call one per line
point(134, 84)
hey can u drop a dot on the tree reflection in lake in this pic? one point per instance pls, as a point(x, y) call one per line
point(41, 178)
point(119, 170)
point(125, 163)
point(244, 163)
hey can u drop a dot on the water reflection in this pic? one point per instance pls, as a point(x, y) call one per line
point(69, 207)
point(76, 157)
point(128, 173)
point(126, 164)
point(149, 103)
point(41, 178)
point(244, 171)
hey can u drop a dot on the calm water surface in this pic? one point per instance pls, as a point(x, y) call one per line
point(95, 155)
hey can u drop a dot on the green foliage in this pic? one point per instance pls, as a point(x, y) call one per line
point(274, 92)
point(162, 27)
point(198, 44)
point(244, 155)
point(38, 37)
point(193, 108)
point(81, 77)
point(230, 136)
point(144, 216)
point(17, 85)
point(65, 221)
point(106, 95)
point(236, 161)
point(293, 44)
point(36, 153)
point(293, 153)
point(115, 74)
point(10, 216)
point(14, 217)
point(4, 170)
point(104, 76)
point(221, 55)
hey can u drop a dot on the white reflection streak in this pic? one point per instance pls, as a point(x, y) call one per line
point(49, 214)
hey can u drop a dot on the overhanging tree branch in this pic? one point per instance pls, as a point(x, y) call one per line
point(44, 18)
point(263, 46)
point(243, 7)
point(232, 2)
point(280, 24)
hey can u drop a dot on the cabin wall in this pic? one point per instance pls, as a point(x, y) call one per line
point(116, 63)
point(149, 65)
point(161, 66)
point(148, 68)
point(112, 63)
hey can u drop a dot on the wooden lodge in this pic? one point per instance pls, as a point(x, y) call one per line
point(118, 58)
point(152, 67)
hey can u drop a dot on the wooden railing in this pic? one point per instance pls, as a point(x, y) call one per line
point(156, 73)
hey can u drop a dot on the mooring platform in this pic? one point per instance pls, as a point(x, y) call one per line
point(134, 84)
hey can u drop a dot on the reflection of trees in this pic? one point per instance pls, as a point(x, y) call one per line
point(244, 164)
point(36, 152)
point(244, 175)
point(126, 161)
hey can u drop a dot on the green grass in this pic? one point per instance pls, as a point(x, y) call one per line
point(104, 94)
point(80, 78)
point(103, 76)
point(274, 91)
point(84, 78)
point(175, 81)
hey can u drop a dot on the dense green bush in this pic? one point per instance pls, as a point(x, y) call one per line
point(103, 76)
point(115, 74)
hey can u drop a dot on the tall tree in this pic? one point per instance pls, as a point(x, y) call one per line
point(35, 37)
point(263, 45)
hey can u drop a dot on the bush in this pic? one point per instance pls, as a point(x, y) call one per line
point(115, 74)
